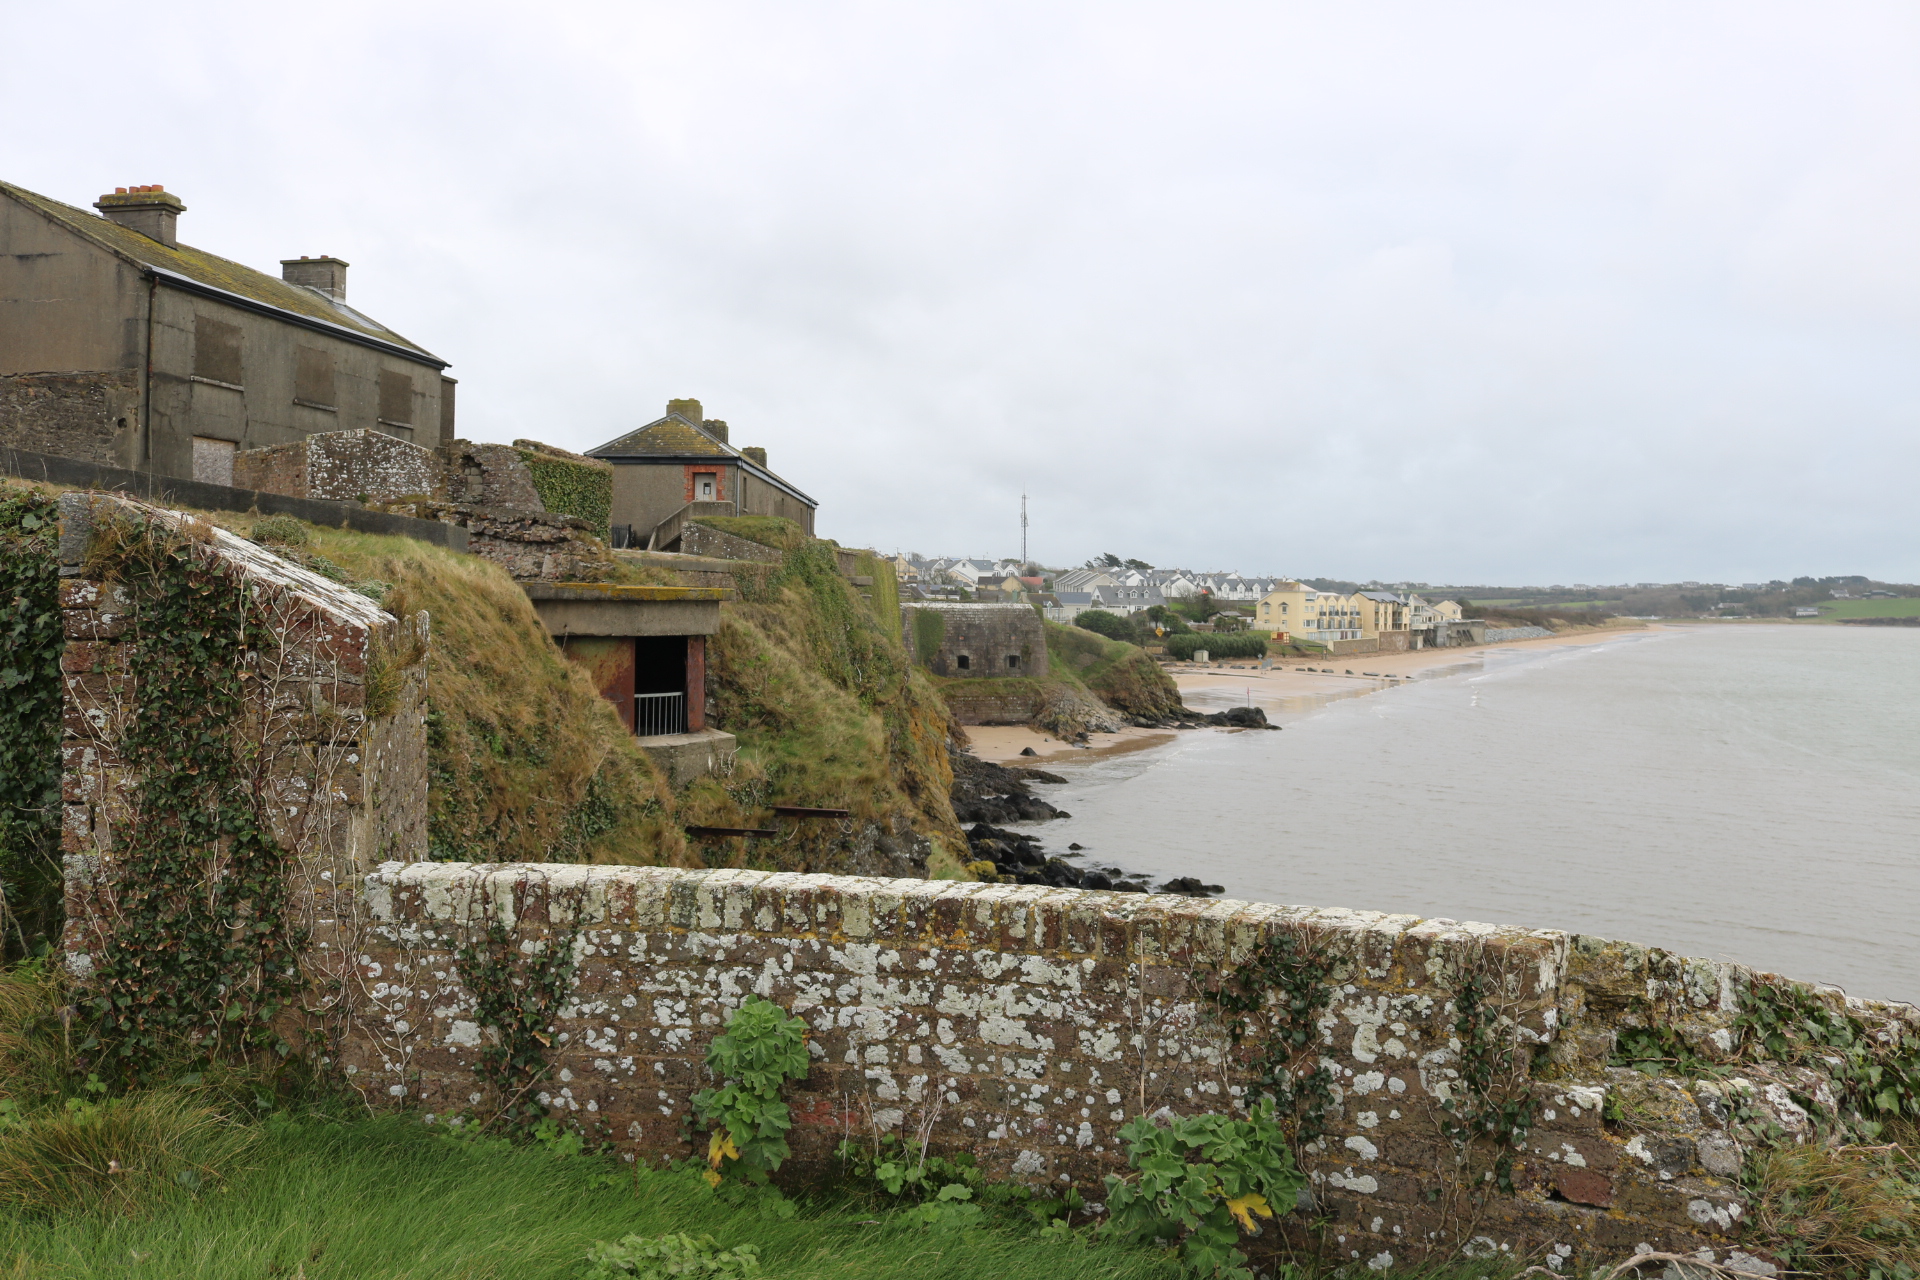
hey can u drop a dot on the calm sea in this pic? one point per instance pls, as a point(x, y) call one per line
point(1738, 792)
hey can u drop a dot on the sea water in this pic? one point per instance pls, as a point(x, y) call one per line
point(1740, 792)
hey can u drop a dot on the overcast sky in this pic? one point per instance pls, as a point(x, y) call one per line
point(1455, 293)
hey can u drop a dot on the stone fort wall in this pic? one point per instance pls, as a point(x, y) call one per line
point(1025, 1025)
point(976, 641)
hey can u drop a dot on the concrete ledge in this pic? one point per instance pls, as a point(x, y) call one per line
point(685, 757)
point(615, 592)
point(171, 490)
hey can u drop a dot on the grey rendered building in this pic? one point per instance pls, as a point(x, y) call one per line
point(681, 464)
point(122, 346)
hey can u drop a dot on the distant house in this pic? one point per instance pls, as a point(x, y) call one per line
point(1083, 580)
point(1128, 599)
point(1805, 612)
point(681, 465)
point(120, 345)
point(971, 573)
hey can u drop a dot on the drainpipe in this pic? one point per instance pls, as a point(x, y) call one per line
point(146, 383)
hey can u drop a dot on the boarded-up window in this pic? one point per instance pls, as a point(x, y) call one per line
point(396, 398)
point(216, 350)
point(213, 460)
point(313, 376)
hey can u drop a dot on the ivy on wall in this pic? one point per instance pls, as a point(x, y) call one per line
point(929, 629)
point(31, 642)
point(1270, 1006)
point(199, 949)
point(572, 488)
point(518, 998)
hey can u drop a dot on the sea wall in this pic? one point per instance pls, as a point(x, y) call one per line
point(1025, 1025)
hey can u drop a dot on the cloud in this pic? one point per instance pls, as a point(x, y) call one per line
point(1469, 293)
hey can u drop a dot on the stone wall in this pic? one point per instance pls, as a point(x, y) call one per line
point(342, 466)
point(974, 641)
point(350, 784)
point(490, 475)
point(703, 540)
point(1505, 635)
point(995, 702)
point(90, 416)
point(1026, 1024)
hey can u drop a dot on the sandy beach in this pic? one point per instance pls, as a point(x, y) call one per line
point(1287, 686)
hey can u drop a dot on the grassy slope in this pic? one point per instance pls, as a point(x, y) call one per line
point(1121, 675)
point(828, 710)
point(529, 762)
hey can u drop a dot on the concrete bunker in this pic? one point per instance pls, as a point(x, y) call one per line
point(645, 649)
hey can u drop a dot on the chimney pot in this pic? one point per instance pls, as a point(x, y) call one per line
point(149, 210)
point(325, 273)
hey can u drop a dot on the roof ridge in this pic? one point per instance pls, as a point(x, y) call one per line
point(208, 270)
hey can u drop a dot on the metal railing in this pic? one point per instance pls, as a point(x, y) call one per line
point(655, 714)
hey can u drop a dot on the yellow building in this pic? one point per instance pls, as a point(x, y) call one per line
point(1294, 611)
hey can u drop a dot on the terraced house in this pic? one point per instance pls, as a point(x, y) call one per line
point(122, 346)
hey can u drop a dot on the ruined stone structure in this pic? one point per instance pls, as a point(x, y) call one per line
point(350, 779)
point(976, 641)
point(120, 345)
point(342, 465)
point(1026, 1024)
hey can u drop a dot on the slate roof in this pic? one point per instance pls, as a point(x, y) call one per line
point(669, 437)
point(197, 266)
point(674, 437)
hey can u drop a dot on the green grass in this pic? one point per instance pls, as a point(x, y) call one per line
point(1834, 610)
point(388, 1198)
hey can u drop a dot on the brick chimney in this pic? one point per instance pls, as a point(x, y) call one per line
point(150, 210)
point(756, 455)
point(688, 409)
point(715, 427)
point(328, 275)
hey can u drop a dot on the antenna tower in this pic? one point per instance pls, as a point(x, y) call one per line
point(1023, 530)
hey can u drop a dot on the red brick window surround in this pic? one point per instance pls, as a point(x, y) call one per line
point(717, 474)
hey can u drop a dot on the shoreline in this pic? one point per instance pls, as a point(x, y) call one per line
point(1284, 686)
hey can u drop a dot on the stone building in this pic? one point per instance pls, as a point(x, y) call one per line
point(121, 346)
point(976, 641)
point(681, 465)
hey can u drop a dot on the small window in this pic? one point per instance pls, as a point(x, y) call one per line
point(963, 662)
point(216, 351)
point(213, 460)
point(396, 398)
point(1013, 660)
point(313, 377)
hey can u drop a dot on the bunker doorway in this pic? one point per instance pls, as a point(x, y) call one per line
point(657, 684)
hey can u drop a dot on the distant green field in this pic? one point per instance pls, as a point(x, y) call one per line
point(1834, 610)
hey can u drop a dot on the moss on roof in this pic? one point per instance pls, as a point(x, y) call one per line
point(669, 437)
point(209, 269)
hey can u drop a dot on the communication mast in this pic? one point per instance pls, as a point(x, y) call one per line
point(1023, 529)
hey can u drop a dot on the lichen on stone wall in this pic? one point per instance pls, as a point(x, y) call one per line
point(1025, 1026)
